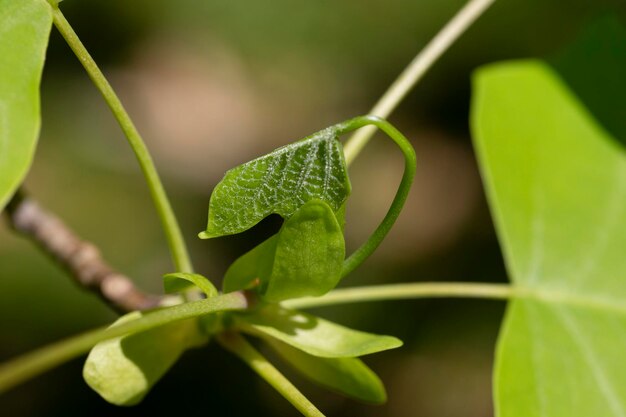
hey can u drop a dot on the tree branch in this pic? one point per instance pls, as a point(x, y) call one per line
point(80, 258)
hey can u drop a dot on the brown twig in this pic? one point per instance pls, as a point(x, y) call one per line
point(80, 258)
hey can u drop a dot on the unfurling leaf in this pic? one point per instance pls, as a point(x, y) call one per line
point(124, 369)
point(182, 281)
point(313, 335)
point(303, 259)
point(24, 30)
point(348, 376)
point(279, 182)
point(556, 183)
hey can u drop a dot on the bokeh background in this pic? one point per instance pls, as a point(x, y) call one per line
point(215, 83)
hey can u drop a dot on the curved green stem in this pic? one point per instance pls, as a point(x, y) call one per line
point(410, 165)
point(237, 344)
point(411, 75)
point(408, 291)
point(36, 362)
point(174, 236)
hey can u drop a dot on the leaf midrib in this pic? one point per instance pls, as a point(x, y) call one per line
point(559, 297)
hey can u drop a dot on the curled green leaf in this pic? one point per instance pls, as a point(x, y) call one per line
point(182, 281)
point(309, 255)
point(348, 376)
point(279, 182)
point(304, 259)
point(124, 369)
point(313, 335)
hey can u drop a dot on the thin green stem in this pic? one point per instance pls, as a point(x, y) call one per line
point(460, 290)
point(174, 236)
point(238, 345)
point(410, 165)
point(407, 291)
point(36, 362)
point(416, 69)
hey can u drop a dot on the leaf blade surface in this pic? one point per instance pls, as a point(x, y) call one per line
point(279, 182)
point(24, 30)
point(556, 183)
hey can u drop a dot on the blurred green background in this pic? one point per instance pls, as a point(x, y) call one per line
point(215, 83)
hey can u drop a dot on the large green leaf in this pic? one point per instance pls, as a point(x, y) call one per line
point(348, 376)
point(314, 335)
point(304, 259)
point(124, 369)
point(556, 184)
point(279, 182)
point(24, 30)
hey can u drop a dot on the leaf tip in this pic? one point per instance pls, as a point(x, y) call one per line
point(205, 235)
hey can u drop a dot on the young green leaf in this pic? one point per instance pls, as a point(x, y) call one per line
point(182, 281)
point(123, 370)
point(556, 183)
point(279, 182)
point(24, 30)
point(304, 259)
point(313, 335)
point(348, 376)
point(309, 255)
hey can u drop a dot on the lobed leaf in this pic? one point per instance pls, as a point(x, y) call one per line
point(24, 30)
point(124, 369)
point(348, 376)
point(313, 335)
point(279, 182)
point(556, 183)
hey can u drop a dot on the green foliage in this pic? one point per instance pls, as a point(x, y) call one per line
point(24, 30)
point(183, 281)
point(313, 335)
point(279, 182)
point(303, 259)
point(124, 369)
point(556, 183)
point(349, 376)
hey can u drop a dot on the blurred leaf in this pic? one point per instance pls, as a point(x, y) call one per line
point(279, 182)
point(182, 281)
point(123, 370)
point(314, 335)
point(594, 66)
point(349, 376)
point(24, 30)
point(304, 259)
point(556, 184)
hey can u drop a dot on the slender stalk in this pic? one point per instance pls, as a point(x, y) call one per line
point(415, 70)
point(410, 164)
point(174, 236)
point(41, 360)
point(236, 343)
point(408, 291)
